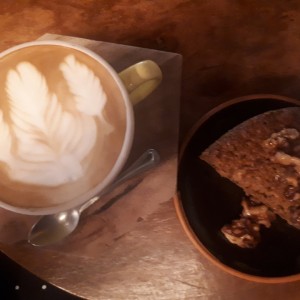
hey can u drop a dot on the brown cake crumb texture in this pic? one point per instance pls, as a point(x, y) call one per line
point(262, 156)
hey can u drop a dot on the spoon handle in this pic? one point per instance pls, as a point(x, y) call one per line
point(146, 161)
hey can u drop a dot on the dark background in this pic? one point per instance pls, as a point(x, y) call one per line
point(30, 286)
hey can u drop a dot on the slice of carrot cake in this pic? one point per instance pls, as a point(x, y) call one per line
point(262, 156)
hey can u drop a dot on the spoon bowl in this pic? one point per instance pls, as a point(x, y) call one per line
point(52, 228)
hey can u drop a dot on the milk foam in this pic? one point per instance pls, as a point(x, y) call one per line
point(43, 143)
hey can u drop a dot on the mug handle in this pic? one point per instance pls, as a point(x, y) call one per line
point(141, 79)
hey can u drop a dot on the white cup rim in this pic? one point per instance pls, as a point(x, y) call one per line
point(126, 147)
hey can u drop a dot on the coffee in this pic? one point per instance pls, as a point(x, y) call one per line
point(62, 124)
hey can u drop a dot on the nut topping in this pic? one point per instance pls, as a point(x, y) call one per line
point(242, 232)
point(280, 139)
point(259, 214)
point(245, 232)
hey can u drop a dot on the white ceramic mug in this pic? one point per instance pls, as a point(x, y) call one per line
point(45, 82)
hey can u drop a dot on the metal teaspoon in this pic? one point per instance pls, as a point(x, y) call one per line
point(50, 229)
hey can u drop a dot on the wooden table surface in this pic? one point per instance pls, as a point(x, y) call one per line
point(230, 48)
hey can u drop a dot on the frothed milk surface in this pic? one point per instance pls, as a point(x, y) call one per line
point(62, 125)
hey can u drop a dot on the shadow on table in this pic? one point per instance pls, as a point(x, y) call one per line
point(18, 283)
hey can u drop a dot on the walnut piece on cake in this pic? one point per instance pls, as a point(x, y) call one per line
point(242, 232)
point(245, 231)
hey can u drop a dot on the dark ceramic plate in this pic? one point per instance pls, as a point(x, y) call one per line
point(206, 201)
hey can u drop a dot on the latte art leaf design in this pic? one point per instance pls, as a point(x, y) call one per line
point(88, 93)
point(44, 144)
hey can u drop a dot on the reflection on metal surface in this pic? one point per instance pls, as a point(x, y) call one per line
point(62, 217)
